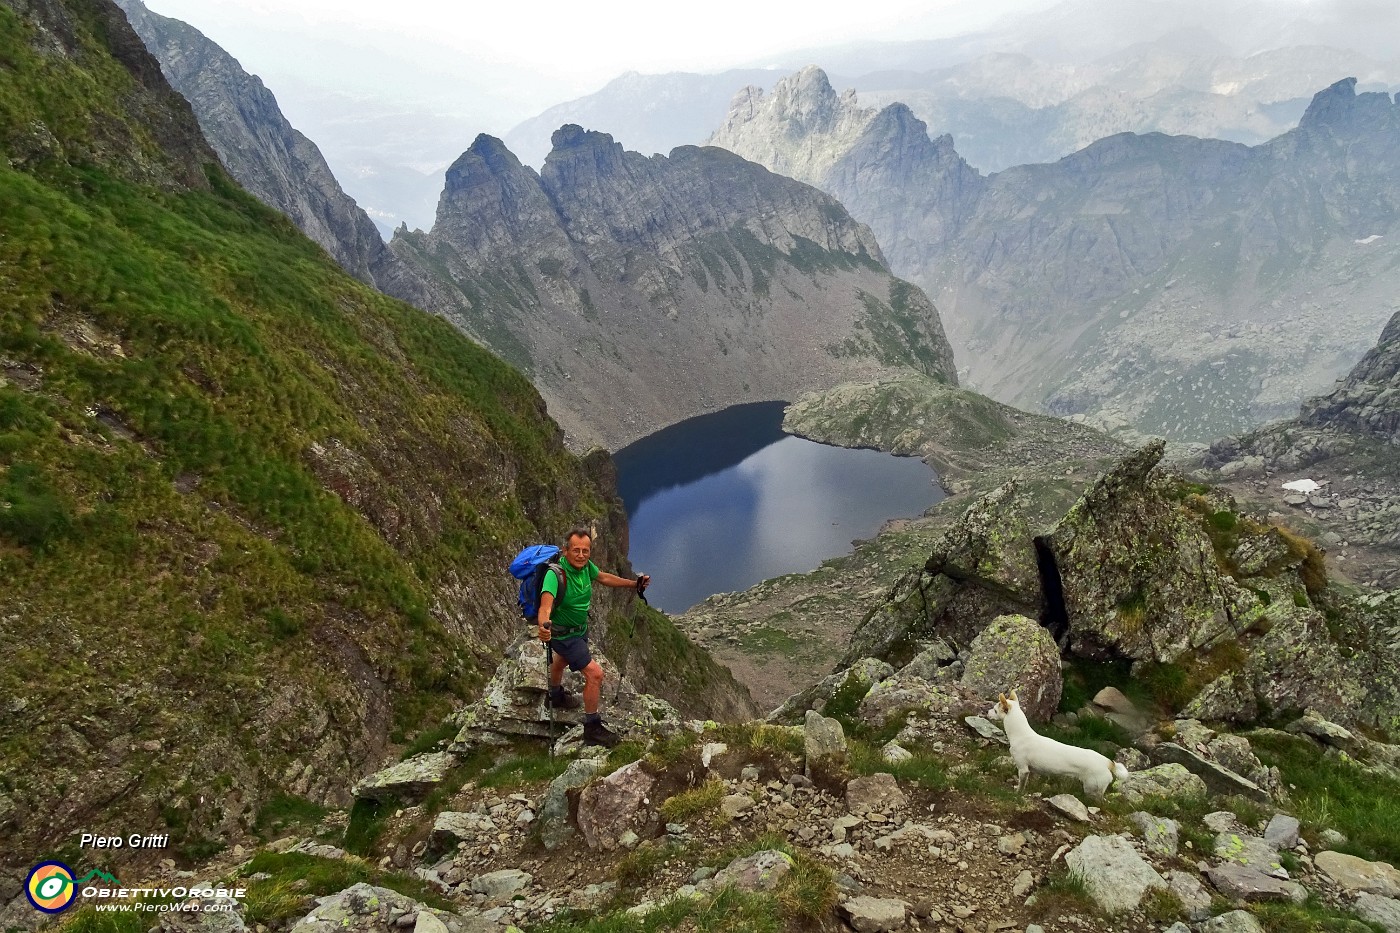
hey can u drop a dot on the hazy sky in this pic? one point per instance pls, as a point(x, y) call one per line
point(515, 59)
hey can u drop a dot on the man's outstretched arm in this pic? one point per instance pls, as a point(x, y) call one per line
point(612, 579)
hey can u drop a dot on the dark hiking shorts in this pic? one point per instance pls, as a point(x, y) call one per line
point(574, 651)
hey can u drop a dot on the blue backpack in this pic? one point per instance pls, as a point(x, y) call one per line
point(529, 567)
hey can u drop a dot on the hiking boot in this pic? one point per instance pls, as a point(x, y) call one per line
point(559, 698)
point(595, 733)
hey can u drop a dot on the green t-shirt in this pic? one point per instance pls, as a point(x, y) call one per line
point(569, 616)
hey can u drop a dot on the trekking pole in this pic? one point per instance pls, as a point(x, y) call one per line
point(548, 701)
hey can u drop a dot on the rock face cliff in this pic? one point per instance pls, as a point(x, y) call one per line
point(637, 291)
point(261, 150)
point(1345, 441)
point(1173, 285)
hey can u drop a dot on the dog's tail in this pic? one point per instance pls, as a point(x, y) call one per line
point(1120, 773)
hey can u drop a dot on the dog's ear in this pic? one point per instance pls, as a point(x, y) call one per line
point(1001, 698)
point(1005, 704)
point(1013, 697)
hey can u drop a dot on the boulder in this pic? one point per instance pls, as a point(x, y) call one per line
point(1383, 911)
point(1070, 806)
point(554, 826)
point(1139, 578)
point(868, 914)
point(1296, 665)
point(408, 780)
point(1016, 653)
point(933, 663)
point(1242, 883)
point(1218, 778)
point(874, 792)
point(614, 805)
point(500, 885)
point(363, 908)
point(1282, 831)
point(1356, 875)
point(1195, 899)
point(823, 741)
point(1249, 851)
point(1159, 834)
point(513, 704)
point(762, 871)
point(1169, 780)
point(1228, 698)
point(1236, 921)
point(1116, 877)
point(899, 695)
point(860, 676)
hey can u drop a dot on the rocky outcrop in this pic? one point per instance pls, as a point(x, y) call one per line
point(268, 157)
point(1144, 282)
point(1138, 578)
point(640, 291)
point(515, 704)
point(1344, 442)
point(147, 134)
point(1367, 401)
point(1140, 568)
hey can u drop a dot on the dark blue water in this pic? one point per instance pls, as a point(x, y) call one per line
point(724, 501)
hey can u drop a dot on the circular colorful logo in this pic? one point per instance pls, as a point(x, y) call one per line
point(50, 887)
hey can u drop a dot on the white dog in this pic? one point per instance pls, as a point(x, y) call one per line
point(1043, 755)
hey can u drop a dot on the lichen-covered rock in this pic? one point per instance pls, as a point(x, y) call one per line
point(868, 914)
point(1170, 780)
point(762, 871)
point(858, 678)
point(1139, 578)
point(1228, 698)
point(899, 695)
point(1384, 911)
point(1296, 665)
point(363, 908)
point(932, 663)
point(984, 566)
point(1236, 921)
point(1218, 778)
point(407, 780)
point(1016, 653)
point(1159, 833)
point(513, 704)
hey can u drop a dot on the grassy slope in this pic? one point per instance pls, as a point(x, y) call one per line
point(253, 514)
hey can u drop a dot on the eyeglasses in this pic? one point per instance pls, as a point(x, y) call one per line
point(579, 550)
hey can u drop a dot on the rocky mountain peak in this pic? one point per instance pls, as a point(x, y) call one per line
point(1340, 110)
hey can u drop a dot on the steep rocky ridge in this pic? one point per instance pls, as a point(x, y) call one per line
point(1179, 286)
point(637, 292)
point(268, 157)
point(1346, 442)
point(253, 515)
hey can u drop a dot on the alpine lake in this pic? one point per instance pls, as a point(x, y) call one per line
point(724, 501)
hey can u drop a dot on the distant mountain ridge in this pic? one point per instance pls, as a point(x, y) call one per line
point(1172, 285)
point(271, 159)
point(641, 291)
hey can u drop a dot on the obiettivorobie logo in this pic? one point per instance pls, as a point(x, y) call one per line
point(52, 889)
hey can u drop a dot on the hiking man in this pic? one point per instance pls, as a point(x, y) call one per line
point(565, 627)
